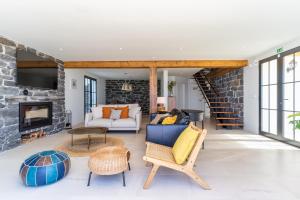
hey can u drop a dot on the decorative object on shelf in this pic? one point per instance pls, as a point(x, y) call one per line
point(73, 84)
point(161, 102)
point(295, 122)
point(68, 123)
point(127, 86)
point(44, 168)
point(171, 85)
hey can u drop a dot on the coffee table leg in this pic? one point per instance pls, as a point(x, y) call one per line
point(89, 179)
point(72, 139)
point(104, 138)
point(129, 168)
point(123, 175)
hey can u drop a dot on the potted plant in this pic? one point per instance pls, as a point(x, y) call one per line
point(171, 85)
point(295, 122)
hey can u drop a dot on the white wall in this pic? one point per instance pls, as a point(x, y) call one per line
point(75, 97)
point(251, 86)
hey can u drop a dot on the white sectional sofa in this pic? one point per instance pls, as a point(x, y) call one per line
point(133, 123)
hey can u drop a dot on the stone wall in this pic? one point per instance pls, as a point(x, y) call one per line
point(231, 86)
point(139, 94)
point(11, 95)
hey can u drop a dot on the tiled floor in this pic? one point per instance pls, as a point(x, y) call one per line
point(236, 164)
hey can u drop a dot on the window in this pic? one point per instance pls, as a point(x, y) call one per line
point(90, 93)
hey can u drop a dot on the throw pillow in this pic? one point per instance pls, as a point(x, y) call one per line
point(133, 111)
point(115, 114)
point(97, 112)
point(157, 118)
point(106, 112)
point(124, 112)
point(184, 144)
point(169, 120)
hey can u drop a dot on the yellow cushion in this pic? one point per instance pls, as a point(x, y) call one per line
point(184, 144)
point(169, 120)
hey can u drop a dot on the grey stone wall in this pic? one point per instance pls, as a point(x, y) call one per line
point(231, 87)
point(11, 95)
point(139, 94)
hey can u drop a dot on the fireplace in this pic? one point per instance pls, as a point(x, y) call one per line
point(34, 115)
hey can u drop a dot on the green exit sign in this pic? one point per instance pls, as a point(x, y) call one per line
point(279, 50)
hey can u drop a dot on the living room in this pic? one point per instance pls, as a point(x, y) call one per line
point(149, 100)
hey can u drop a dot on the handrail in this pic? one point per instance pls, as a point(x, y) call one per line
point(209, 83)
point(202, 91)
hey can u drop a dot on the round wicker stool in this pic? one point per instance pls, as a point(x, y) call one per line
point(108, 161)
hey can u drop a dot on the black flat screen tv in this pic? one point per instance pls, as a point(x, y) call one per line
point(35, 71)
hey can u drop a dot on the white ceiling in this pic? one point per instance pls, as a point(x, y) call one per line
point(153, 29)
point(139, 74)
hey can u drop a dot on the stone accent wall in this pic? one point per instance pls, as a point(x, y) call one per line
point(139, 94)
point(11, 95)
point(231, 86)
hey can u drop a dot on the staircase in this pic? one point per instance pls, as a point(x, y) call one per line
point(221, 109)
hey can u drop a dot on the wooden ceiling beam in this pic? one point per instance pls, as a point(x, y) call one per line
point(158, 64)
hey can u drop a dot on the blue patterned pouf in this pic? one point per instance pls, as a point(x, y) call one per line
point(45, 168)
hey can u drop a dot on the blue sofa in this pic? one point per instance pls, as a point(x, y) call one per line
point(163, 134)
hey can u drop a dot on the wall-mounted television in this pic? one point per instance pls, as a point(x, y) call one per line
point(35, 71)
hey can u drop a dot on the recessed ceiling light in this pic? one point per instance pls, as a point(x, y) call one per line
point(121, 48)
point(180, 48)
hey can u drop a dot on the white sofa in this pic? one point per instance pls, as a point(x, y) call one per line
point(94, 118)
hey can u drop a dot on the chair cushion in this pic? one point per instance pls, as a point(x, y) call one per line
point(124, 123)
point(101, 122)
point(184, 144)
point(169, 120)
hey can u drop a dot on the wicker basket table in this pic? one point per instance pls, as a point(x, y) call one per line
point(108, 161)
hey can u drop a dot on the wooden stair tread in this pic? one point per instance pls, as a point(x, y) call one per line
point(220, 112)
point(228, 124)
point(220, 102)
point(220, 107)
point(228, 118)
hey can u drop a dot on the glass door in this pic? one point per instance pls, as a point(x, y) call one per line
point(90, 93)
point(291, 99)
point(268, 88)
point(280, 97)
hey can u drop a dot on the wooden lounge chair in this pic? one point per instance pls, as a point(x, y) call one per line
point(161, 156)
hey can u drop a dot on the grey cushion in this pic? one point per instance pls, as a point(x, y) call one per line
point(115, 114)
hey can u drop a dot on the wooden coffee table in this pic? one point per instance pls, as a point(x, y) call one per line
point(87, 131)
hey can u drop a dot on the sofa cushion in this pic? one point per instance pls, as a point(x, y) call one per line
point(169, 120)
point(133, 111)
point(124, 111)
point(97, 112)
point(101, 122)
point(124, 123)
point(115, 114)
point(106, 112)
